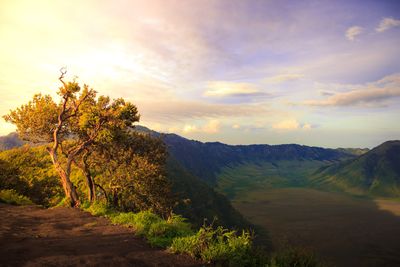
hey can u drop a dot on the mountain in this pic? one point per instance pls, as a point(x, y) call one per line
point(376, 173)
point(198, 201)
point(10, 141)
point(206, 160)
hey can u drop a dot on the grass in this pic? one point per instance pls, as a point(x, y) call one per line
point(219, 246)
point(10, 196)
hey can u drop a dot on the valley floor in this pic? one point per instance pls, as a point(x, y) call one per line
point(341, 229)
point(32, 236)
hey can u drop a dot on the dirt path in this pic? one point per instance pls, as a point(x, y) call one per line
point(31, 236)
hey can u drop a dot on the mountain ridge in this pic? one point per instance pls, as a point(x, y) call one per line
point(376, 172)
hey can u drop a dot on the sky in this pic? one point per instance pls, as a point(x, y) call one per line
point(319, 73)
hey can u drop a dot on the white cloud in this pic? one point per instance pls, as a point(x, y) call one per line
point(181, 110)
point(223, 88)
point(190, 128)
point(352, 32)
point(369, 95)
point(235, 126)
point(212, 127)
point(283, 78)
point(290, 124)
point(387, 23)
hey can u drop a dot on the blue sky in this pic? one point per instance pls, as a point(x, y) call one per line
point(324, 73)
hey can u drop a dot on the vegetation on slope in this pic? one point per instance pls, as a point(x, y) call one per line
point(206, 160)
point(375, 173)
point(10, 196)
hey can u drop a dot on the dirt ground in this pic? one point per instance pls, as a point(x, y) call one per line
point(32, 236)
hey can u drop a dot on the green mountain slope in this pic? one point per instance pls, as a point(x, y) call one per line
point(376, 173)
point(208, 160)
point(198, 201)
point(240, 178)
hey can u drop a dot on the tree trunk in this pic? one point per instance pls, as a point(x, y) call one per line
point(69, 188)
point(89, 183)
point(89, 179)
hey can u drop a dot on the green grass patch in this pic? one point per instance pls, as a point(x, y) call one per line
point(159, 232)
point(11, 196)
point(218, 245)
point(99, 209)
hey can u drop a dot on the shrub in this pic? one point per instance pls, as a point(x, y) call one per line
point(162, 233)
point(217, 245)
point(140, 221)
point(159, 232)
point(99, 209)
point(10, 196)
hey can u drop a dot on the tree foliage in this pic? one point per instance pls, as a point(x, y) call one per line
point(28, 171)
point(94, 134)
point(131, 169)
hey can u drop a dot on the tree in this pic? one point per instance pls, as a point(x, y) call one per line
point(80, 117)
point(130, 170)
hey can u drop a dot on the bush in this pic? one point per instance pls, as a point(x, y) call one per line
point(10, 196)
point(99, 209)
point(217, 245)
point(162, 233)
point(159, 232)
point(141, 221)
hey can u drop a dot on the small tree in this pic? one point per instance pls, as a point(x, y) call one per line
point(79, 116)
point(131, 171)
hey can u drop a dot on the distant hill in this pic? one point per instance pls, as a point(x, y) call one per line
point(376, 172)
point(206, 160)
point(10, 141)
point(233, 169)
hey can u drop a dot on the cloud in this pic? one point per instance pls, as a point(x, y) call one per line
point(182, 110)
point(212, 127)
point(236, 126)
point(352, 32)
point(283, 78)
point(369, 95)
point(387, 23)
point(290, 124)
point(188, 128)
point(223, 88)
point(306, 126)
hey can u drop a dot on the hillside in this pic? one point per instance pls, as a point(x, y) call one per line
point(200, 201)
point(10, 141)
point(376, 173)
point(206, 160)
